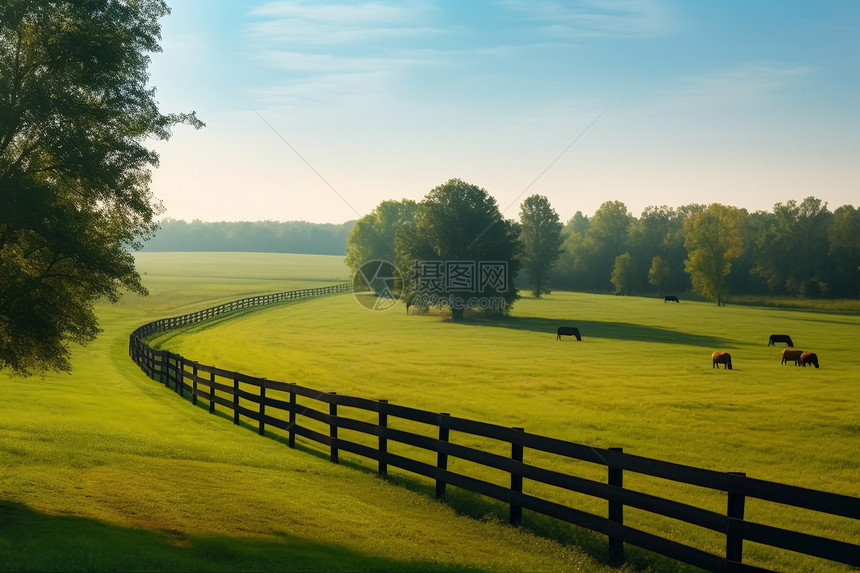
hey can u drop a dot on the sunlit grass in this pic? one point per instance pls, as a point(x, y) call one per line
point(106, 470)
point(831, 305)
point(641, 379)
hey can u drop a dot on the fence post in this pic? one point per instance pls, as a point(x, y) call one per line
point(194, 384)
point(332, 425)
point(734, 511)
point(383, 438)
point(173, 374)
point(262, 406)
point(211, 392)
point(442, 454)
point(236, 401)
point(180, 362)
point(163, 369)
point(293, 406)
point(516, 480)
point(616, 513)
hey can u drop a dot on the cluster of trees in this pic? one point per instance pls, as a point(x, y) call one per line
point(459, 226)
point(260, 236)
point(798, 249)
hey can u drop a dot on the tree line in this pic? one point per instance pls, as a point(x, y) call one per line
point(799, 249)
point(299, 237)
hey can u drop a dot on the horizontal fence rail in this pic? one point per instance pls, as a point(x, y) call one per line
point(380, 430)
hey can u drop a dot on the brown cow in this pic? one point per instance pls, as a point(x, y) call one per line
point(789, 354)
point(809, 358)
point(721, 358)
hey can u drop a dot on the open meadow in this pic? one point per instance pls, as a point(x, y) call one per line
point(105, 470)
point(640, 379)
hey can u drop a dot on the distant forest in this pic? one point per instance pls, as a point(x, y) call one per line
point(261, 236)
point(798, 249)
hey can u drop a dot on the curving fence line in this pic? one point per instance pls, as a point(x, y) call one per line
point(506, 464)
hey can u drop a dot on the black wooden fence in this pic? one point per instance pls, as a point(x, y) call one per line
point(389, 435)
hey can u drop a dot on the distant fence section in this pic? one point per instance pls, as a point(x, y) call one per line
point(420, 442)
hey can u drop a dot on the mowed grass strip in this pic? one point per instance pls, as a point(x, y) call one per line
point(641, 379)
point(106, 470)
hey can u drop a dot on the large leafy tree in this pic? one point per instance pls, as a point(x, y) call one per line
point(794, 249)
point(844, 236)
point(607, 237)
point(625, 274)
point(659, 233)
point(372, 237)
point(458, 233)
point(75, 112)
point(713, 241)
point(540, 234)
point(660, 273)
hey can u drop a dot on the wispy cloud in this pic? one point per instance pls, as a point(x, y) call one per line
point(336, 53)
point(584, 18)
point(748, 84)
point(312, 24)
point(323, 91)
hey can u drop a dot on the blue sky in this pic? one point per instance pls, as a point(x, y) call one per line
point(318, 111)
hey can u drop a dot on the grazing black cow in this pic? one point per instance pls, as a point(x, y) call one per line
point(809, 358)
point(670, 298)
point(723, 358)
point(774, 338)
point(568, 331)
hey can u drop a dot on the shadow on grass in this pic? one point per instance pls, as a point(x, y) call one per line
point(230, 554)
point(623, 331)
point(463, 502)
point(593, 544)
point(34, 541)
point(481, 508)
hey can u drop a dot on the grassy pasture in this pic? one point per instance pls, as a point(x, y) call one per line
point(105, 470)
point(641, 379)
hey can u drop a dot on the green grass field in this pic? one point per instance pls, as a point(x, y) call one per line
point(105, 469)
point(641, 379)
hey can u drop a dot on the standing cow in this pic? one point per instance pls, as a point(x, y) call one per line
point(670, 298)
point(809, 358)
point(774, 338)
point(723, 358)
point(568, 331)
point(789, 354)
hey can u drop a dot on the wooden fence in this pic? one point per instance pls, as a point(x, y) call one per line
point(386, 434)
